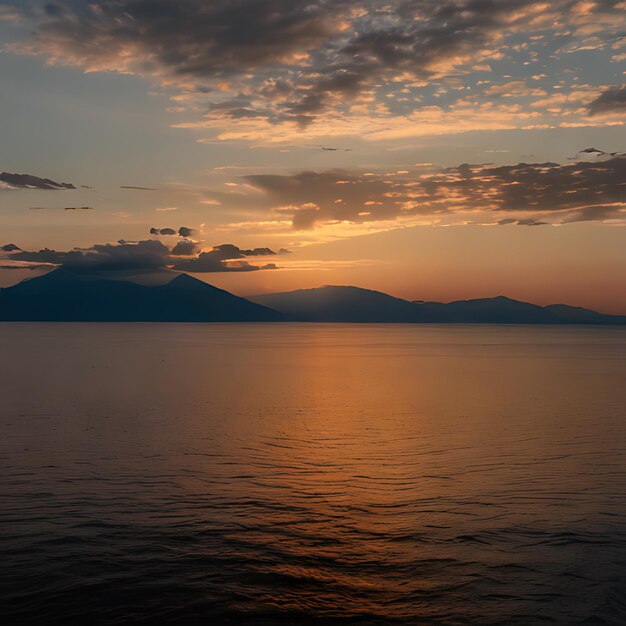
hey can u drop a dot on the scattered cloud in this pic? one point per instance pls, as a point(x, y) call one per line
point(183, 231)
point(28, 181)
point(271, 68)
point(146, 255)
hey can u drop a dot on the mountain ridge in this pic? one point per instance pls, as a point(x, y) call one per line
point(304, 304)
point(63, 295)
point(77, 296)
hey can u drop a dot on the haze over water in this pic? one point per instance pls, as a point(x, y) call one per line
point(312, 474)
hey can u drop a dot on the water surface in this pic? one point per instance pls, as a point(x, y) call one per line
point(312, 474)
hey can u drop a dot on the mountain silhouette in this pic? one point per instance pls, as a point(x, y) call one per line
point(498, 310)
point(339, 304)
point(352, 304)
point(64, 295)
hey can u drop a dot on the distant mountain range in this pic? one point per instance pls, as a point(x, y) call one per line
point(352, 304)
point(63, 295)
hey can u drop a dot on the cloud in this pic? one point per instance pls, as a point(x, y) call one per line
point(28, 181)
point(599, 212)
point(8, 13)
point(258, 252)
point(24, 266)
point(44, 256)
point(184, 231)
point(611, 101)
point(593, 151)
point(529, 221)
point(271, 63)
point(185, 248)
point(67, 208)
point(137, 188)
point(194, 43)
point(146, 255)
point(593, 189)
point(150, 254)
point(214, 259)
point(162, 231)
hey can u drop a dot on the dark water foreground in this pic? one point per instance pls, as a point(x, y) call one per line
point(312, 474)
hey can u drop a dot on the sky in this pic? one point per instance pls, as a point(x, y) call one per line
point(430, 149)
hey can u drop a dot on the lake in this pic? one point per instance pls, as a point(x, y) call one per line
point(312, 474)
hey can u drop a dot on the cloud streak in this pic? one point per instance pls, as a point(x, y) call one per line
point(28, 181)
point(573, 191)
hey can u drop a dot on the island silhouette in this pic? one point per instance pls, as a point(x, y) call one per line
point(64, 295)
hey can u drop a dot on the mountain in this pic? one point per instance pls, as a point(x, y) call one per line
point(498, 310)
point(66, 296)
point(339, 304)
point(352, 304)
point(578, 315)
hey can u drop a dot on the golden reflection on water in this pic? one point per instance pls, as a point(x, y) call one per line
point(315, 472)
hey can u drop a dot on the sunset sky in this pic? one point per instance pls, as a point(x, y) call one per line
point(430, 149)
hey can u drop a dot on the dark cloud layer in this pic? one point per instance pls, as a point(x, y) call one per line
point(185, 247)
point(150, 254)
point(581, 190)
point(194, 38)
point(28, 181)
point(192, 42)
point(611, 101)
point(213, 260)
point(292, 58)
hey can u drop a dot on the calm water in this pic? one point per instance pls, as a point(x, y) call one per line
point(312, 474)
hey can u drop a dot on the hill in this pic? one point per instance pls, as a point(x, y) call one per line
point(352, 304)
point(65, 296)
point(339, 304)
